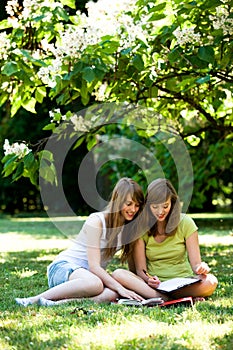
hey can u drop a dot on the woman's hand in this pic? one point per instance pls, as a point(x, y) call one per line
point(127, 293)
point(153, 281)
point(202, 269)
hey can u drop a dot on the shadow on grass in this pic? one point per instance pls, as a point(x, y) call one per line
point(22, 274)
point(41, 230)
point(224, 343)
point(225, 223)
point(28, 339)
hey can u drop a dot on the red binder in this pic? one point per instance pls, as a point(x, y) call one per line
point(187, 301)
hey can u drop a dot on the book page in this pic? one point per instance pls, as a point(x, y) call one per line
point(129, 302)
point(146, 302)
point(152, 301)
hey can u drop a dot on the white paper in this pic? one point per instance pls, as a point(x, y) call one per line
point(176, 283)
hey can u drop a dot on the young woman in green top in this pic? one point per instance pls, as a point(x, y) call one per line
point(168, 249)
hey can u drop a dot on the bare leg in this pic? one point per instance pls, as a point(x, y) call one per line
point(106, 296)
point(205, 288)
point(82, 284)
point(131, 281)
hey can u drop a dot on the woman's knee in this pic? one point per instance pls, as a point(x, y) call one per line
point(118, 274)
point(88, 282)
point(95, 285)
point(211, 283)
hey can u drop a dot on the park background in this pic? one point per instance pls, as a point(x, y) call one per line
point(171, 59)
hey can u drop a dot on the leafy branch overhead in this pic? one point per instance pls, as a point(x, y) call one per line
point(173, 57)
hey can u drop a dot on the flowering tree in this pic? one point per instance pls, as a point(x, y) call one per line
point(174, 57)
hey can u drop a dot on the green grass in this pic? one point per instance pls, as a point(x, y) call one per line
point(29, 244)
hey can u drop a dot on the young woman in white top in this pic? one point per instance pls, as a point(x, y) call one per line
point(79, 272)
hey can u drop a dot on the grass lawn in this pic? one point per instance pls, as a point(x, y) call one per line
point(29, 244)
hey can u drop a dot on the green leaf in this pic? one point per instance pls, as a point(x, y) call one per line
point(5, 24)
point(126, 51)
point(157, 16)
point(50, 126)
point(3, 98)
point(211, 4)
point(19, 171)
point(16, 104)
point(35, 61)
point(23, 76)
point(153, 92)
point(9, 159)
point(29, 104)
point(159, 7)
point(78, 142)
point(10, 165)
point(40, 93)
point(203, 79)
point(206, 53)
point(138, 62)
point(62, 14)
point(88, 74)
point(46, 155)
point(70, 3)
point(197, 63)
point(175, 54)
point(48, 172)
point(10, 68)
point(190, 5)
point(34, 178)
point(28, 160)
point(91, 142)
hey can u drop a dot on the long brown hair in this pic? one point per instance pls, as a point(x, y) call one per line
point(159, 191)
point(124, 187)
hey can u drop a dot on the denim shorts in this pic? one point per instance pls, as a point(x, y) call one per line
point(59, 271)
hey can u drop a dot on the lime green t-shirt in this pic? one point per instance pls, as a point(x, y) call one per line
point(168, 259)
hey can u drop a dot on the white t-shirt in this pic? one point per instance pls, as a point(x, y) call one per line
point(77, 253)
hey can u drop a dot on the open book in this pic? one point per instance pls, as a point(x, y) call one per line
point(146, 302)
point(176, 283)
point(186, 301)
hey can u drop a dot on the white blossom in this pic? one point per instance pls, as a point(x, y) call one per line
point(100, 21)
point(101, 93)
point(56, 116)
point(187, 36)
point(5, 45)
point(30, 8)
point(19, 149)
point(153, 73)
point(11, 7)
point(48, 74)
point(79, 123)
point(222, 20)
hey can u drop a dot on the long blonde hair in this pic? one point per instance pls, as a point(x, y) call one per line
point(124, 187)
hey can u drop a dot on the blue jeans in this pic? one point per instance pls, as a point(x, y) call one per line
point(59, 271)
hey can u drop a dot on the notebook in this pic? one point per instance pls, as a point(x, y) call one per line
point(176, 283)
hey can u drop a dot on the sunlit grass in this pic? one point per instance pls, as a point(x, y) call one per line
point(28, 245)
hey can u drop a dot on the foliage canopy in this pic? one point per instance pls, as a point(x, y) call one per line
point(174, 58)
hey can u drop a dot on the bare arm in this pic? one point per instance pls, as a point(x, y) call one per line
point(94, 231)
point(140, 264)
point(192, 245)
